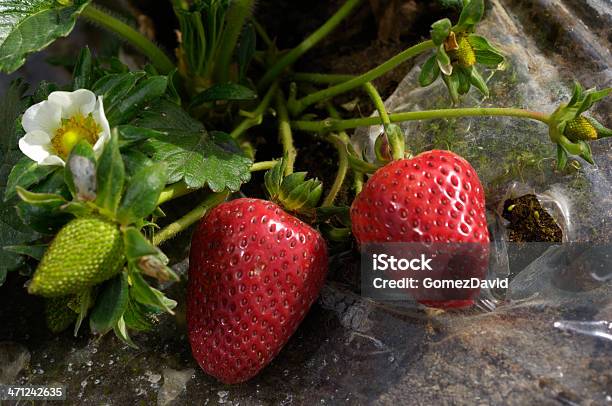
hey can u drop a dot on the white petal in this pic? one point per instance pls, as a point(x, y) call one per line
point(53, 160)
point(44, 116)
point(36, 145)
point(80, 101)
point(100, 117)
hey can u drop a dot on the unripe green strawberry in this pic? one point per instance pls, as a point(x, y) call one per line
point(86, 252)
point(58, 315)
point(464, 55)
point(580, 129)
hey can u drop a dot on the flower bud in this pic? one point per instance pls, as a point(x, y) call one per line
point(580, 129)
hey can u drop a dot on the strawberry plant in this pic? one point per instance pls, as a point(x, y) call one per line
point(92, 171)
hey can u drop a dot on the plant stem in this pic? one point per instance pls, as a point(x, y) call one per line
point(342, 169)
point(179, 189)
point(332, 124)
point(263, 166)
point(171, 230)
point(378, 102)
point(321, 78)
point(174, 191)
point(159, 59)
point(257, 115)
point(308, 43)
point(357, 176)
point(360, 80)
point(237, 14)
point(284, 133)
point(261, 31)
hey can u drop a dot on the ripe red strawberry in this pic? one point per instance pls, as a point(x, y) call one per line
point(433, 197)
point(254, 273)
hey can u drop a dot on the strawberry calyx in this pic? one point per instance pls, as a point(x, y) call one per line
point(294, 192)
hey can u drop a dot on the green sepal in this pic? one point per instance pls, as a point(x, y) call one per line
point(429, 71)
point(440, 31)
point(141, 292)
point(336, 234)
point(80, 172)
point(293, 192)
point(110, 304)
point(478, 81)
point(137, 317)
point(145, 257)
point(463, 77)
point(121, 332)
point(470, 16)
point(45, 200)
point(357, 163)
point(561, 158)
point(397, 142)
point(486, 54)
point(81, 305)
point(602, 131)
point(110, 176)
point(444, 61)
point(142, 193)
point(76, 208)
point(382, 150)
point(273, 178)
point(452, 83)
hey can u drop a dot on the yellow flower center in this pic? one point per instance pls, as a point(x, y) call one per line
point(73, 130)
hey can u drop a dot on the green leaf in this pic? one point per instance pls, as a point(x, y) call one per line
point(29, 26)
point(12, 229)
point(440, 30)
point(163, 115)
point(33, 251)
point(82, 75)
point(115, 87)
point(110, 304)
point(201, 159)
point(470, 15)
point(224, 91)
point(146, 295)
point(429, 72)
point(47, 216)
point(463, 75)
point(143, 92)
point(26, 173)
point(80, 172)
point(142, 193)
point(110, 176)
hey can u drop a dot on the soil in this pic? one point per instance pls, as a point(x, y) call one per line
point(529, 221)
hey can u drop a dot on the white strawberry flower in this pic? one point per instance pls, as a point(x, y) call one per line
point(53, 127)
